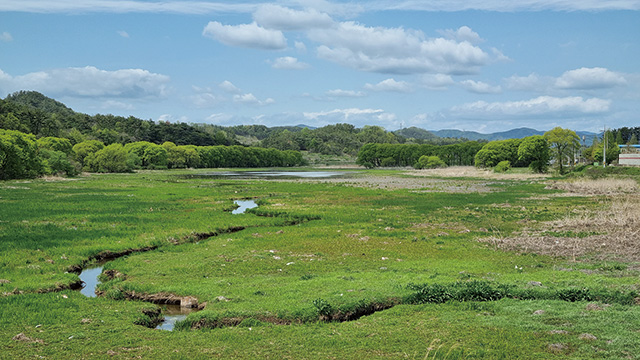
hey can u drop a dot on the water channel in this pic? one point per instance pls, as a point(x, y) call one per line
point(272, 174)
point(171, 313)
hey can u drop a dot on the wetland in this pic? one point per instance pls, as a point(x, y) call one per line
point(369, 263)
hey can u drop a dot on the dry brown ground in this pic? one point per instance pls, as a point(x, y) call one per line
point(610, 232)
point(474, 172)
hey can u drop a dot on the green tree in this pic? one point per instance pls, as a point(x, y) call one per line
point(612, 149)
point(85, 148)
point(56, 144)
point(534, 150)
point(564, 143)
point(633, 140)
point(112, 158)
point(18, 155)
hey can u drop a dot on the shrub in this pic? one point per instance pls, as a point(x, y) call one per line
point(503, 166)
point(429, 162)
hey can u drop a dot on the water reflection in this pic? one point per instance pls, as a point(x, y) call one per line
point(172, 314)
point(90, 278)
point(244, 205)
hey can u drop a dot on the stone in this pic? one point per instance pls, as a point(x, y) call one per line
point(535, 283)
point(539, 312)
point(188, 302)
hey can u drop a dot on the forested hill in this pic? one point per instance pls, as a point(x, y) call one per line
point(32, 112)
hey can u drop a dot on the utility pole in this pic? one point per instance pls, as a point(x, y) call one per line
point(604, 148)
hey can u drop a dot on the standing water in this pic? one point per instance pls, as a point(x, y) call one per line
point(89, 277)
point(172, 314)
point(244, 205)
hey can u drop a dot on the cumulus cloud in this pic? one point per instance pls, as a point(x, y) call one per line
point(289, 63)
point(281, 18)
point(464, 33)
point(342, 113)
point(250, 99)
point(228, 86)
point(246, 35)
point(123, 33)
point(344, 93)
point(357, 117)
point(389, 85)
point(531, 82)
point(480, 87)
point(89, 82)
point(590, 78)
point(396, 50)
point(6, 37)
point(436, 81)
point(542, 105)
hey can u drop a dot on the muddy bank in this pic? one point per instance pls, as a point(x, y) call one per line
point(162, 298)
point(105, 256)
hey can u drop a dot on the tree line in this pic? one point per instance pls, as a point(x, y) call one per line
point(24, 156)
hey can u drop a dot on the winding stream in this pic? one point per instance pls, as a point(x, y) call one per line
point(171, 313)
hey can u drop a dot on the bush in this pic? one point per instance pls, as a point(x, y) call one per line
point(429, 162)
point(503, 166)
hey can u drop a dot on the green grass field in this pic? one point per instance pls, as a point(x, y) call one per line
point(321, 269)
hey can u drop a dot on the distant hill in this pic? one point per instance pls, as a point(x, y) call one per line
point(518, 133)
point(415, 133)
point(473, 135)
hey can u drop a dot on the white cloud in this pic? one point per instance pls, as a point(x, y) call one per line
point(342, 113)
point(389, 85)
point(542, 105)
point(480, 87)
point(532, 82)
point(436, 81)
point(590, 78)
point(6, 37)
point(396, 50)
point(281, 18)
point(355, 116)
point(349, 9)
point(112, 104)
point(289, 63)
point(464, 33)
point(344, 93)
point(246, 35)
point(505, 5)
point(173, 119)
point(205, 99)
point(300, 46)
point(123, 33)
point(251, 99)
point(128, 6)
point(89, 82)
point(228, 86)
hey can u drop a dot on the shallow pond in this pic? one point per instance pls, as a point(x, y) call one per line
point(243, 206)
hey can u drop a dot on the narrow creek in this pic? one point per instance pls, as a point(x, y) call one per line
point(171, 313)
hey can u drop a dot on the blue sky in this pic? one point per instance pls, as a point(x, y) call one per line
point(481, 65)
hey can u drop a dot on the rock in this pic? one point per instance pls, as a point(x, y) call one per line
point(188, 302)
point(539, 312)
point(5, 281)
point(535, 283)
point(222, 298)
point(85, 321)
point(587, 337)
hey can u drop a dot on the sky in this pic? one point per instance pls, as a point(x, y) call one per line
point(475, 65)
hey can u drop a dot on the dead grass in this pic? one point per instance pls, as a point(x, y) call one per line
point(606, 186)
point(474, 172)
point(612, 232)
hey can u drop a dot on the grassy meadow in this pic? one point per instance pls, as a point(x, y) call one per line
point(378, 264)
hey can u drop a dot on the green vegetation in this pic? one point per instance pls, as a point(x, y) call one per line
point(320, 269)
